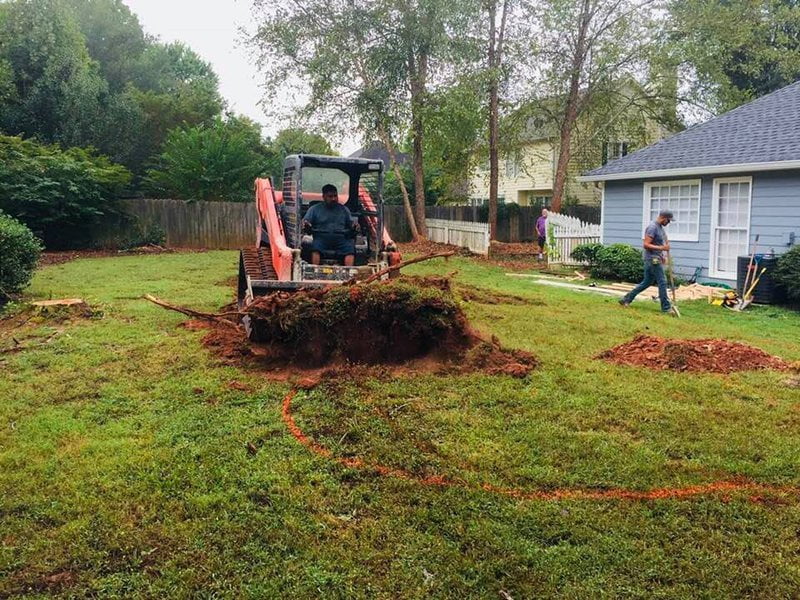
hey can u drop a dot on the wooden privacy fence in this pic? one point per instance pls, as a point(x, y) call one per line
point(569, 233)
point(474, 236)
point(215, 225)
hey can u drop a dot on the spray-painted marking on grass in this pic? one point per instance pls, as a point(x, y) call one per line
point(756, 490)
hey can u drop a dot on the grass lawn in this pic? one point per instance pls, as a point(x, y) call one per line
point(125, 470)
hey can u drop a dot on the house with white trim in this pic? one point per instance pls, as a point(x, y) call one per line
point(726, 180)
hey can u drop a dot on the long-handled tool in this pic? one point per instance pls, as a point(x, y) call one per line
point(748, 297)
point(750, 268)
point(673, 304)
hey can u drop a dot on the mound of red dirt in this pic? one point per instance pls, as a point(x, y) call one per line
point(397, 322)
point(708, 356)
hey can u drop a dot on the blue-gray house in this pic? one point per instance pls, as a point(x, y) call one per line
point(725, 180)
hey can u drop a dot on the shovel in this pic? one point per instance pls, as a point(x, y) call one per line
point(674, 304)
point(748, 297)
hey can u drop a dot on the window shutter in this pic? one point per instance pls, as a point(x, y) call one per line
point(605, 153)
point(624, 149)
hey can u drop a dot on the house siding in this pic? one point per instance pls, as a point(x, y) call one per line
point(774, 213)
point(535, 174)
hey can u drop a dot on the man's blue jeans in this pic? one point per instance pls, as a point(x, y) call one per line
point(653, 273)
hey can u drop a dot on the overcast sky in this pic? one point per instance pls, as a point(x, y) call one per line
point(211, 28)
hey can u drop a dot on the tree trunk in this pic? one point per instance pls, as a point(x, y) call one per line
point(570, 115)
point(495, 61)
point(418, 68)
point(494, 175)
point(403, 189)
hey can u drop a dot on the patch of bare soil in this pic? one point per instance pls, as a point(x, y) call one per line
point(60, 257)
point(707, 355)
point(499, 249)
point(510, 262)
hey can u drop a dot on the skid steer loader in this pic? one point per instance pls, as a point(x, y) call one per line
point(281, 257)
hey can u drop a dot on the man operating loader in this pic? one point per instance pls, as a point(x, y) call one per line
point(655, 244)
point(332, 227)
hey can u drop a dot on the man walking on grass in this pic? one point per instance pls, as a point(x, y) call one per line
point(655, 244)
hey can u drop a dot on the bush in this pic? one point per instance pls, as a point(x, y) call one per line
point(60, 194)
point(787, 273)
point(218, 161)
point(587, 253)
point(618, 261)
point(19, 252)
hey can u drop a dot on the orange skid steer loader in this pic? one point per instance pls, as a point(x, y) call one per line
point(281, 257)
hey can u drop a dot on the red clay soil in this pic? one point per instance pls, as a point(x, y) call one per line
point(232, 346)
point(510, 262)
point(756, 492)
point(705, 356)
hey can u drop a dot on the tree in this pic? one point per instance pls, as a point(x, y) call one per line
point(216, 161)
point(586, 47)
point(494, 63)
point(736, 50)
point(374, 63)
point(295, 140)
point(57, 89)
point(114, 38)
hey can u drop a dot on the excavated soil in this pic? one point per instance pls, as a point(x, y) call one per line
point(411, 323)
point(707, 356)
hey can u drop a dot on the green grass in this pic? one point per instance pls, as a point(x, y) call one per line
point(124, 470)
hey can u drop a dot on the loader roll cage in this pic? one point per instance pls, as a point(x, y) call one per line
point(360, 186)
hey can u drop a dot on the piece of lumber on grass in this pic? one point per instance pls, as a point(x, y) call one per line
point(62, 302)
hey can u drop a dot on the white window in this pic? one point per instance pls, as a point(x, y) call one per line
point(680, 197)
point(616, 150)
point(512, 168)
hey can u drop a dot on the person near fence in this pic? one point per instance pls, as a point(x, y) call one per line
point(541, 233)
point(655, 244)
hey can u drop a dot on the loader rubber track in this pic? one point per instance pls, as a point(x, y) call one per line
point(258, 263)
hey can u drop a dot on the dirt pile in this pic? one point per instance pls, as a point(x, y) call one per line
point(416, 322)
point(708, 355)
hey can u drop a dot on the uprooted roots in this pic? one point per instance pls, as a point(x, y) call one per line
point(713, 356)
point(388, 322)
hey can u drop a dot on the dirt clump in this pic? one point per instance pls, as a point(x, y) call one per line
point(413, 324)
point(705, 356)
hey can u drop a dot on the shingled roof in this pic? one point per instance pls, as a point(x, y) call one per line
point(761, 135)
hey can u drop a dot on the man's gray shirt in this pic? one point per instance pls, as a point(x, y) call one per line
point(330, 220)
point(655, 231)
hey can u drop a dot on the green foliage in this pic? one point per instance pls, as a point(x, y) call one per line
point(788, 273)
point(57, 87)
point(60, 194)
point(210, 162)
point(19, 253)
point(738, 49)
point(294, 140)
point(618, 261)
point(83, 73)
point(587, 253)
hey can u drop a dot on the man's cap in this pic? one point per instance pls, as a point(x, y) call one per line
point(667, 214)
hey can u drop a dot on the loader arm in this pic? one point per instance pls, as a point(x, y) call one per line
point(267, 201)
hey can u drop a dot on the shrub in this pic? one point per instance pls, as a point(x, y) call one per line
point(19, 252)
point(618, 261)
point(60, 194)
point(587, 253)
point(217, 161)
point(787, 273)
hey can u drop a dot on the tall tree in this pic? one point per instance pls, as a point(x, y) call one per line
point(57, 89)
point(494, 63)
point(736, 50)
point(373, 63)
point(585, 47)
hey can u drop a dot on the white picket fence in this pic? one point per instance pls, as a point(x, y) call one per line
point(568, 233)
point(474, 236)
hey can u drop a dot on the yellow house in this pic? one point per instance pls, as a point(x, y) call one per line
point(526, 175)
point(527, 178)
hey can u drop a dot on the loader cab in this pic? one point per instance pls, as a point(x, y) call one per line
point(360, 186)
